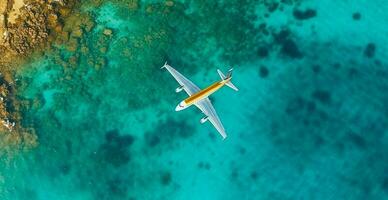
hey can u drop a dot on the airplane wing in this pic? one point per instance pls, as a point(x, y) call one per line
point(185, 83)
point(207, 108)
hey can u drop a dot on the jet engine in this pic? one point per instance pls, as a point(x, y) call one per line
point(204, 119)
point(180, 88)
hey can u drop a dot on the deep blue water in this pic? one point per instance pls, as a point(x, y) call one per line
point(309, 122)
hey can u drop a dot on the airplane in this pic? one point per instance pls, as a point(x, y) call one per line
point(200, 98)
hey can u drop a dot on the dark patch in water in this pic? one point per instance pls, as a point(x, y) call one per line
point(263, 71)
point(384, 185)
point(152, 139)
point(294, 105)
point(316, 68)
point(322, 96)
point(298, 105)
point(203, 165)
point(115, 149)
point(289, 48)
point(234, 175)
point(304, 15)
point(352, 72)
point(242, 150)
point(262, 52)
point(212, 135)
point(357, 140)
point(337, 65)
point(117, 187)
point(370, 50)
point(118, 140)
point(167, 131)
point(356, 16)
point(282, 36)
point(272, 6)
point(65, 168)
point(111, 135)
point(165, 178)
point(254, 175)
point(207, 166)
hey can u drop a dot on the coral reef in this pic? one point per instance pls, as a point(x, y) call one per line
point(12, 134)
point(25, 27)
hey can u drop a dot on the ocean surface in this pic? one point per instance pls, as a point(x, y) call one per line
point(310, 120)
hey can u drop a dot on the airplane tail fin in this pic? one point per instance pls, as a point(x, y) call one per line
point(164, 66)
point(228, 76)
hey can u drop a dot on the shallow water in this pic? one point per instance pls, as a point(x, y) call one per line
point(309, 122)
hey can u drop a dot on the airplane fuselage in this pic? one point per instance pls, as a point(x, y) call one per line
point(201, 94)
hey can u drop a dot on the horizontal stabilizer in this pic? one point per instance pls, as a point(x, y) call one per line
point(228, 76)
point(221, 74)
point(164, 66)
point(230, 84)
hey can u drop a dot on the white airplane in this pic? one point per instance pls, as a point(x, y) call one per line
point(200, 98)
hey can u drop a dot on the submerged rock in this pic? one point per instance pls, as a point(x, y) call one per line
point(165, 178)
point(356, 16)
point(290, 49)
point(370, 50)
point(115, 150)
point(263, 71)
point(304, 15)
point(108, 32)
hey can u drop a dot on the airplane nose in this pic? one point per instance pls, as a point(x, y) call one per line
point(180, 106)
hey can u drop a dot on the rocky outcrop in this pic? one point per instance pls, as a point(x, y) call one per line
point(3, 22)
point(12, 134)
point(28, 26)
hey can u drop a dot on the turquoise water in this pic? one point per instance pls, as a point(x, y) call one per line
point(309, 122)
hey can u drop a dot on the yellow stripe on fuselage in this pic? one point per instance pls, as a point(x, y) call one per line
point(204, 93)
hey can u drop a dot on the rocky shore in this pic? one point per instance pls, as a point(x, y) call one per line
point(26, 26)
